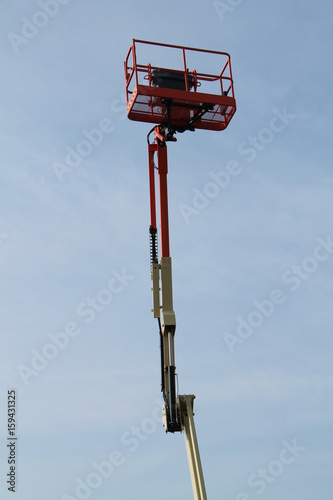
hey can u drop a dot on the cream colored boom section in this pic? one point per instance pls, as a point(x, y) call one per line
point(193, 455)
point(162, 282)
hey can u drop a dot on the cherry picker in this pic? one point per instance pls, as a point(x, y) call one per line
point(175, 100)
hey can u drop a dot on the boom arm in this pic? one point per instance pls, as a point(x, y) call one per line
point(177, 412)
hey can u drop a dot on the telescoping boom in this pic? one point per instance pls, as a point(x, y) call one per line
point(177, 409)
point(177, 100)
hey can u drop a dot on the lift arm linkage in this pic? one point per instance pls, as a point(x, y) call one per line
point(162, 280)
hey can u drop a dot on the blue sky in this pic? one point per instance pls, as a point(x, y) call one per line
point(252, 256)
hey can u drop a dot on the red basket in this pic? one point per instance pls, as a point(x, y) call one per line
point(182, 83)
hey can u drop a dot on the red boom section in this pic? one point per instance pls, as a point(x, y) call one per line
point(151, 150)
point(163, 193)
point(189, 88)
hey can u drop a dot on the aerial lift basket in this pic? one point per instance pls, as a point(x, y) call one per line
point(181, 91)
